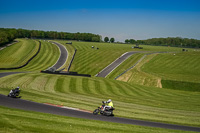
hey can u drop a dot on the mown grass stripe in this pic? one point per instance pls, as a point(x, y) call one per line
point(122, 89)
point(85, 85)
point(59, 85)
point(72, 84)
point(109, 88)
point(51, 84)
point(98, 87)
point(92, 87)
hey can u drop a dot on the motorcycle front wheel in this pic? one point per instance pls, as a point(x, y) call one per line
point(95, 112)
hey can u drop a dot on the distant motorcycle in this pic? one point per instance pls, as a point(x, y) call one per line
point(102, 111)
point(14, 94)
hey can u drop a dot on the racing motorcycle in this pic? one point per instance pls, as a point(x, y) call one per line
point(106, 112)
point(14, 94)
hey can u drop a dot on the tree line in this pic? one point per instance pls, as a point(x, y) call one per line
point(8, 35)
point(170, 41)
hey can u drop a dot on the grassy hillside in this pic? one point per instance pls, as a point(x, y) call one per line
point(18, 54)
point(90, 60)
point(177, 71)
point(47, 57)
point(138, 102)
point(14, 121)
point(131, 98)
point(169, 70)
point(180, 66)
point(137, 76)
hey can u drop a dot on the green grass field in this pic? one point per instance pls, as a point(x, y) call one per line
point(137, 76)
point(178, 71)
point(138, 102)
point(141, 96)
point(19, 121)
point(18, 54)
point(89, 60)
point(181, 66)
point(47, 57)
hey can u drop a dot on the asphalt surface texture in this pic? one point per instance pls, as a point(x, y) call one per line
point(3, 74)
point(115, 64)
point(63, 56)
point(44, 108)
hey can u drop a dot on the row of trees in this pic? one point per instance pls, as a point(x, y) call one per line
point(131, 41)
point(112, 40)
point(8, 35)
point(170, 41)
point(173, 41)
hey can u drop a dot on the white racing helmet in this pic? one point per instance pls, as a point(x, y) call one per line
point(17, 88)
point(109, 100)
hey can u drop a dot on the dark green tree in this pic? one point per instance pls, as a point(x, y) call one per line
point(106, 39)
point(132, 41)
point(112, 40)
point(127, 41)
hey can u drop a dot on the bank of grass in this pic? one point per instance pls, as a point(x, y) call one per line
point(18, 54)
point(182, 66)
point(178, 71)
point(47, 57)
point(90, 60)
point(131, 101)
point(137, 76)
point(181, 85)
point(167, 70)
point(14, 121)
point(163, 48)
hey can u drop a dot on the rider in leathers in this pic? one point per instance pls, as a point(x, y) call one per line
point(110, 104)
point(16, 90)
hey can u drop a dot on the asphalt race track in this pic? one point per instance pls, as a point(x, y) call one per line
point(114, 64)
point(63, 56)
point(3, 74)
point(44, 108)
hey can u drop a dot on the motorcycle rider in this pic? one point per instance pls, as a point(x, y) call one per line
point(15, 91)
point(109, 106)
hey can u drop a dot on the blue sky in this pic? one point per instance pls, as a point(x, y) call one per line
point(125, 19)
